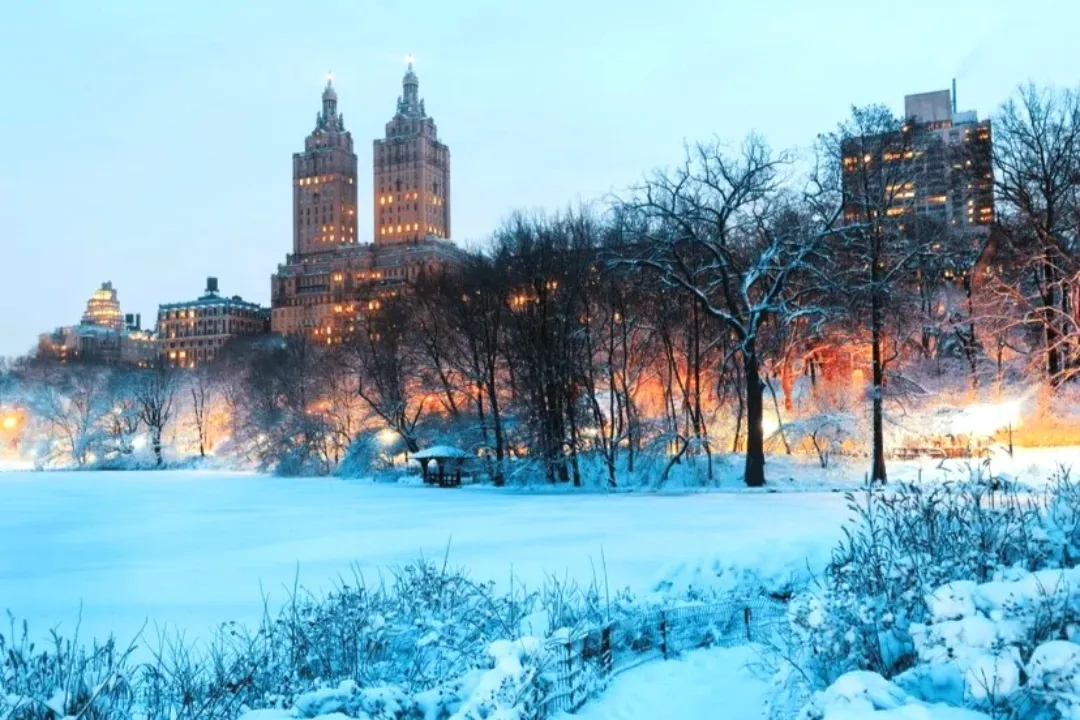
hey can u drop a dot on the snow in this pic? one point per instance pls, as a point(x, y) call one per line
point(972, 650)
point(704, 684)
point(440, 451)
point(1054, 666)
point(862, 695)
point(190, 549)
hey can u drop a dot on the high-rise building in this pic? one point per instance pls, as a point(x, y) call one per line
point(324, 183)
point(946, 166)
point(411, 174)
point(191, 333)
point(330, 279)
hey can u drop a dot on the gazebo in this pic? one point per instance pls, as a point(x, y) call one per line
point(448, 463)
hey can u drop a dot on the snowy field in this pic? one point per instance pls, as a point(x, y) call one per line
point(191, 549)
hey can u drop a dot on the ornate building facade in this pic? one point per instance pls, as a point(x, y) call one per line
point(330, 278)
point(412, 174)
point(324, 184)
point(191, 333)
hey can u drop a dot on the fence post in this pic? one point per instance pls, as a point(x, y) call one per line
point(746, 621)
point(663, 635)
point(606, 658)
point(571, 679)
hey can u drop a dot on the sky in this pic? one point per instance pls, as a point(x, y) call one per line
point(150, 143)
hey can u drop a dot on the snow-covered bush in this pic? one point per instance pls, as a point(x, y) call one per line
point(825, 435)
point(860, 695)
point(63, 680)
point(948, 592)
point(903, 543)
point(425, 641)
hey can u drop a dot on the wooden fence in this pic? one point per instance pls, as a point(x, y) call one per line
point(583, 665)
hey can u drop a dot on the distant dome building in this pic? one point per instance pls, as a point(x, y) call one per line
point(103, 309)
point(104, 334)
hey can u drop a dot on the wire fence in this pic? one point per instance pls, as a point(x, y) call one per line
point(585, 664)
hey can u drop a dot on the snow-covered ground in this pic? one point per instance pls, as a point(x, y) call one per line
point(191, 549)
point(713, 683)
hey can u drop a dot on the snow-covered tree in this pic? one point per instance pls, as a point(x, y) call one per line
point(720, 229)
point(155, 395)
point(1037, 164)
point(869, 168)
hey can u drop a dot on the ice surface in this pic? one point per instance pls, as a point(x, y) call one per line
point(191, 549)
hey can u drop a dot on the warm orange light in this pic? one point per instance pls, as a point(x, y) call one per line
point(10, 422)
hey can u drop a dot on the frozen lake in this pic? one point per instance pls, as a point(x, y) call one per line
point(191, 549)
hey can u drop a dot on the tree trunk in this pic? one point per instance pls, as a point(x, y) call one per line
point(971, 344)
point(877, 473)
point(1052, 337)
point(787, 384)
point(755, 437)
point(157, 446)
point(779, 418)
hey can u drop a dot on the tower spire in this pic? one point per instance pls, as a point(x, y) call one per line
point(410, 104)
point(329, 119)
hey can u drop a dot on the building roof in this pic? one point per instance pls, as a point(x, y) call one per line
point(212, 300)
point(441, 452)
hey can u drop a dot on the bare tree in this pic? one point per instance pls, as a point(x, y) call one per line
point(200, 389)
point(1037, 159)
point(122, 418)
point(280, 403)
point(547, 262)
point(711, 231)
point(386, 366)
point(155, 394)
point(72, 402)
point(475, 296)
point(870, 167)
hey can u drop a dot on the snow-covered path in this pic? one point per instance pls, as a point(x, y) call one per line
point(191, 549)
point(703, 685)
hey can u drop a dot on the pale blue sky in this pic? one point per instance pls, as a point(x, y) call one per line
point(149, 142)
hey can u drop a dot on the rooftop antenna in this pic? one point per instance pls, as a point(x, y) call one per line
point(954, 96)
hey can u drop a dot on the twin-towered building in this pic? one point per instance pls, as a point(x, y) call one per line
point(330, 278)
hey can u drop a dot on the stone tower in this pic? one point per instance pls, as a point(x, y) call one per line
point(411, 174)
point(324, 183)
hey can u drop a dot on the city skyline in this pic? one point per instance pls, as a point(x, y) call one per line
point(151, 146)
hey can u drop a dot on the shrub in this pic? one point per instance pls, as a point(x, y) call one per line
point(424, 640)
point(904, 589)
